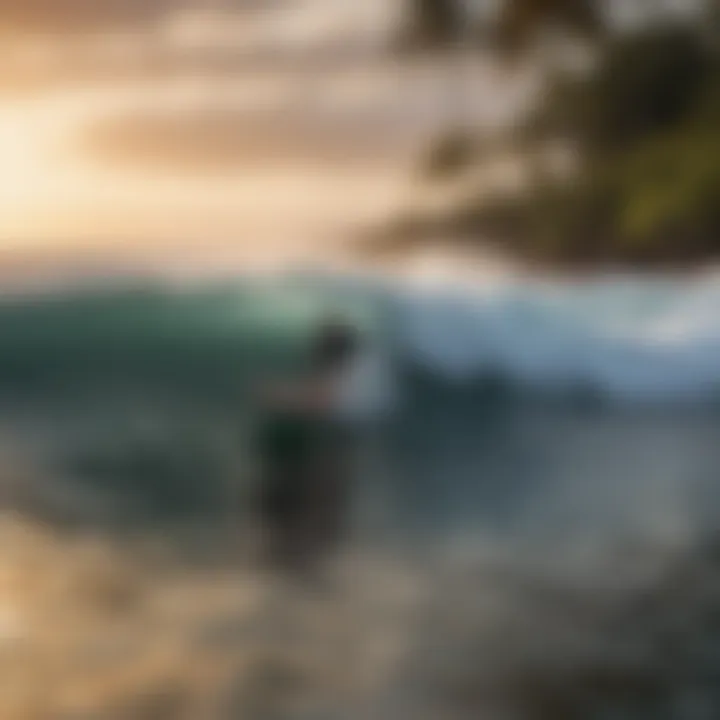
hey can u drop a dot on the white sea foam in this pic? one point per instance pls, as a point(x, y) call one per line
point(627, 339)
point(636, 340)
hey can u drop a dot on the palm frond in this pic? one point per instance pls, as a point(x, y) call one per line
point(521, 20)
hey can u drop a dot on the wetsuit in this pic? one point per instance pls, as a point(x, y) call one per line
point(305, 460)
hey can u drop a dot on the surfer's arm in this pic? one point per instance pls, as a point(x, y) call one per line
point(310, 394)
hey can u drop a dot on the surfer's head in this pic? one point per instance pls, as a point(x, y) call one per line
point(336, 344)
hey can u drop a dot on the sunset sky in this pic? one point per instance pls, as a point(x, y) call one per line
point(276, 133)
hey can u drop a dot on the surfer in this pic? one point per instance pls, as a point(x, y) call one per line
point(306, 454)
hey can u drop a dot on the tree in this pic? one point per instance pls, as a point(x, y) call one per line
point(714, 20)
point(431, 24)
point(643, 124)
point(438, 24)
point(520, 21)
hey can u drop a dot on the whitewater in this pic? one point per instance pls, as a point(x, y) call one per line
point(627, 339)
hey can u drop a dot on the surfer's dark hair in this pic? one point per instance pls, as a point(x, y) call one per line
point(336, 343)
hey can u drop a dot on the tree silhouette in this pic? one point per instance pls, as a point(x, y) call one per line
point(431, 24)
point(521, 20)
point(437, 24)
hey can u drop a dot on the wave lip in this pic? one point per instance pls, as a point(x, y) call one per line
point(636, 343)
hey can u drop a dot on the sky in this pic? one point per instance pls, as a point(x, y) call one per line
point(270, 134)
point(275, 135)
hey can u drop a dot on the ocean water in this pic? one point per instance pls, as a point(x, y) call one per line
point(552, 406)
point(536, 503)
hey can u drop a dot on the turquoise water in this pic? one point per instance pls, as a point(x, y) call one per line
point(144, 392)
point(536, 408)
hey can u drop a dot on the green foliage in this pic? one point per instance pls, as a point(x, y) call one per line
point(439, 24)
point(672, 185)
point(431, 24)
point(451, 155)
point(521, 20)
point(646, 124)
point(646, 84)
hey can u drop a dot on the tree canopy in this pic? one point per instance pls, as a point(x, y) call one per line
point(644, 127)
point(437, 24)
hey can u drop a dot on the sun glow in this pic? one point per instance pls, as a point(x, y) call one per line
point(21, 160)
point(31, 174)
